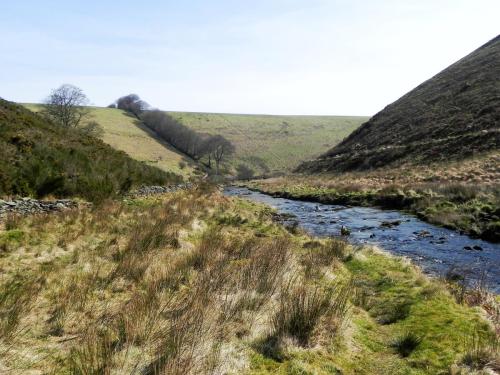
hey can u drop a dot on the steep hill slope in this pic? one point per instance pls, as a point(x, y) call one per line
point(123, 132)
point(38, 158)
point(453, 115)
point(273, 143)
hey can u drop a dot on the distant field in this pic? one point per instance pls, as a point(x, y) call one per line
point(122, 132)
point(278, 143)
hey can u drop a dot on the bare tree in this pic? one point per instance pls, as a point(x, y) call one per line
point(197, 145)
point(66, 106)
point(132, 103)
point(221, 149)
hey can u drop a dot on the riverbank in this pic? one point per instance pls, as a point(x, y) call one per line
point(437, 250)
point(194, 282)
point(465, 198)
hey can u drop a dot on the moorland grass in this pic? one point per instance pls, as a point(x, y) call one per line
point(124, 132)
point(266, 144)
point(273, 144)
point(167, 284)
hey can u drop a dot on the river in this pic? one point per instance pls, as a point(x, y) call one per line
point(436, 250)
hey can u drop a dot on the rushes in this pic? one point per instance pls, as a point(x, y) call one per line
point(16, 298)
point(300, 308)
point(482, 352)
point(142, 290)
point(94, 356)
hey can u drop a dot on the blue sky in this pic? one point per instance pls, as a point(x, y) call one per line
point(262, 56)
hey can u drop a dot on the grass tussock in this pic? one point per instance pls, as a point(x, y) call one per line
point(169, 286)
point(482, 355)
point(300, 308)
point(406, 343)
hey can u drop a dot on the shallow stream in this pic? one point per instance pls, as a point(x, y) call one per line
point(437, 250)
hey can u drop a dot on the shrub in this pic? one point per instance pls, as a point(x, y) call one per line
point(244, 172)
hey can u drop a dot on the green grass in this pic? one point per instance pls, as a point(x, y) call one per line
point(264, 143)
point(123, 132)
point(436, 325)
point(277, 143)
point(100, 290)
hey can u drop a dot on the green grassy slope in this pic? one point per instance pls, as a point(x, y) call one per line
point(39, 158)
point(124, 133)
point(263, 142)
point(279, 143)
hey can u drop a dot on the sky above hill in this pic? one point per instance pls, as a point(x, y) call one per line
point(261, 56)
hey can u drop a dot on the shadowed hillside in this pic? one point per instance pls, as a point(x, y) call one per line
point(39, 158)
point(454, 115)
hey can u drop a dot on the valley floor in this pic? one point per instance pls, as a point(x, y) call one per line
point(464, 195)
point(195, 282)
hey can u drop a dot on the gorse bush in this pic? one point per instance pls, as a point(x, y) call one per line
point(38, 158)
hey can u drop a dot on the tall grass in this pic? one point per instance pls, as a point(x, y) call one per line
point(17, 296)
point(300, 307)
point(482, 352)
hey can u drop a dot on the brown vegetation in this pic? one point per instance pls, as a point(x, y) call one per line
point(454, 115)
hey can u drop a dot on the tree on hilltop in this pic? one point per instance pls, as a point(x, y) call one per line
point(132, 103)
point(66, 106)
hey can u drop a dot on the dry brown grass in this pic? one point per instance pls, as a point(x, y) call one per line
point(151, 286)
point(484, 169)
point(461, 195)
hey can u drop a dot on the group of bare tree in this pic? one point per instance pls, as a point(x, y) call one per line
point(213, 150)
point(131, 103)
point(67, 106)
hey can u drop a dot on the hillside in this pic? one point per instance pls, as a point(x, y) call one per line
point(455, 114)
point(38, 158)
point(273, 143)
point(125, 133)
point(265, 143)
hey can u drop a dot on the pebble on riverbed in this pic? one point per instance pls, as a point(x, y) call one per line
point(475, 247)
point(390, 224)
